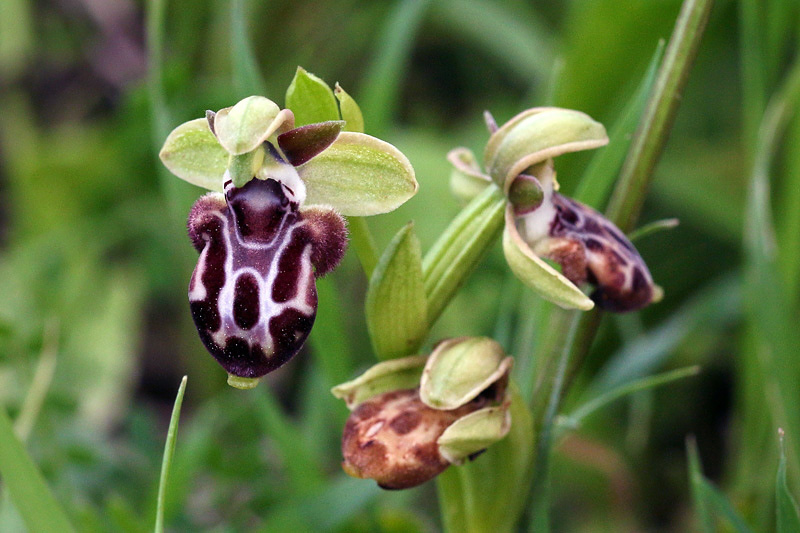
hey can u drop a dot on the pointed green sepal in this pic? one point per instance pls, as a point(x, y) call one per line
point(310, 99)
point(395, 374)
point(537, 274)
point(243, 127)
point(466, 179)
point(474, 432)
point(349, 110)
point(396, 308)
point(192, 153)
point(536, 135)
point(459, 369)
point(359, 175)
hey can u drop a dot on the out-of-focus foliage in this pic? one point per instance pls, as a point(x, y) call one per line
point(92, 240)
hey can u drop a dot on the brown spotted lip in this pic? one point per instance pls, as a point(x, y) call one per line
point(392, 438)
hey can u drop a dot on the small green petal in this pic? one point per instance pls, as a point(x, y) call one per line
point(460, 369)
point(241, 128)
point(537, 274)
point(396, 308)
point(395, 374)
point(466, 180)
point(310, 99)
point(349, 110)
point(359, 175)
point(536, 135)
point(192, 153)
point(474, 432)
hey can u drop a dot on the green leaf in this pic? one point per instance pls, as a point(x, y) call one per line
point(359, 175)
point(537, 274)
point(310, 99)
point(169, 451)
point(193, 153)
point(603, 169)
point(458, 250)
point(349, 110)
point(243, 127)
point(786, 506)
point(396, 307)
point(24, 482)
point(488, 493)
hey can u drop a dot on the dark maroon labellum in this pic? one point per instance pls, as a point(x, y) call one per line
point(253, 293)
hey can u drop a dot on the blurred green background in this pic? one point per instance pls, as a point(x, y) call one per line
point(94, 259)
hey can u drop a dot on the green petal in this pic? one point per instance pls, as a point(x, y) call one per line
point(474, 432)
point(536, 135)
point(395, 374)
point(466, 180)
point(243, 127)
point(537, 274)
point(192, 153)
point(310, 99)
point(396, 307)
point(349, 110)
point(359, 175)
point(460, 369)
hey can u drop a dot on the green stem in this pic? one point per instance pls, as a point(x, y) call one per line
point(169, 451)
point(458, 250)
point(364, 244)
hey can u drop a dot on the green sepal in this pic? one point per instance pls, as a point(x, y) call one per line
point(536, 135)
point(396, 308)
point(310, 99)
point(395, 374)
point(193, 153)
point(243, 127)
point(473, 433)
point(359, 175)
point(489, 493)
point(534, 272)
point(349, 110)
point(466, 179)
point(460, 369)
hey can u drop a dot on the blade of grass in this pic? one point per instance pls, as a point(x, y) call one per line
point(378, 99)
point(601, 400)
point(247, 78)
point(659, 114)
point(653, 227)
point(26, 486)
point(42, 378)
point(598, 180)
point(788, 519)
point(169, 451)
point(723, 506)
point(754, 86)
point(701, 505)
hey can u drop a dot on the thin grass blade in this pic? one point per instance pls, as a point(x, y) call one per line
point(169, 452)
point(696, 479)
point(788, 515)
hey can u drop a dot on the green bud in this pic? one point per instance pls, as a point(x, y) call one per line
point(460, 369)
point(525, 194)
point(387, 376)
